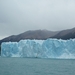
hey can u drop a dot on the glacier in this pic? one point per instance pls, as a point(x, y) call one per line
point(50, 48)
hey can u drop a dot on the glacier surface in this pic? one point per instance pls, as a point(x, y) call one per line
point(50, 48)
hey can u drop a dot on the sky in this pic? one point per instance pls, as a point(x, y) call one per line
point(18, 16)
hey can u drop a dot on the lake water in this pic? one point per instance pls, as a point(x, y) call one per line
point(36, 66)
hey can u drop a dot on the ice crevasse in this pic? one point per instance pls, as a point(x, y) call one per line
point(50, 48)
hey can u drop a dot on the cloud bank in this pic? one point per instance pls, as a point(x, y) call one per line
point(18, 16)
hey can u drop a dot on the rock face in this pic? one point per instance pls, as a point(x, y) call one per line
point(50, 48)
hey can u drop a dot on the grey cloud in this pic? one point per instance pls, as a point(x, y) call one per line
point(17, 16)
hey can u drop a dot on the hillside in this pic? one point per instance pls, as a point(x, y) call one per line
point(65, 34)
point(36, 34)
point(41, 35)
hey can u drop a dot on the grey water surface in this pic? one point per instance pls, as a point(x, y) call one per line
point(36, 66)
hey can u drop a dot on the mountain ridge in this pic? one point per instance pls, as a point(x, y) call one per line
point(65, 34)
point(41, 35)
point(31, 34)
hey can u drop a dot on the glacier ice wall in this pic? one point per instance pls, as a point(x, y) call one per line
point(50, 48)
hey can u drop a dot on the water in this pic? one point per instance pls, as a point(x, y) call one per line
point(36, 66)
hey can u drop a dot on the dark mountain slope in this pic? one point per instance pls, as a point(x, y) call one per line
point(65, 34)
point(36, 34)
point(41, 34)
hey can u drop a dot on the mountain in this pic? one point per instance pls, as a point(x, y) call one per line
point(32, 34)
point(41, 34)
point(65, 34)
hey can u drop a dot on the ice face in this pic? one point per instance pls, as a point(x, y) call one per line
point(50, 48)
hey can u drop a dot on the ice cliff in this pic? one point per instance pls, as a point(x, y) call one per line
point(50, 48)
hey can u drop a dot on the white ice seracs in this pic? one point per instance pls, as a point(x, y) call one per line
point(50, 48)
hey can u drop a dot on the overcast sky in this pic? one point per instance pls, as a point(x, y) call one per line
point(17, 16)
